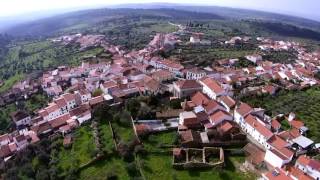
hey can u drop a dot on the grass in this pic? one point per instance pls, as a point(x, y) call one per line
point(158, 163)
point(304, 103)
point(82, 150)
point(206, 56)
point(106, 137)
point(5, 116)
point(160, 167)
point(10, 82)
point(36, 101)
point(103, 168)
point(126, 134)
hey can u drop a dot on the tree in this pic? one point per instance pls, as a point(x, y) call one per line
point(97, 92)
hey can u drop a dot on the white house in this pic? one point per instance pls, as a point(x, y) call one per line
point(241, 112)
point(212, 88)
point(107, 85)
point(84, 118)
point(84, 95)
point(254, 58)
point(51, 112)
point(278, 153)
point(21, 141)
point(21, 118)
point(70, 100)
point(309, 166)
point(227, 102)
point(5, 139)
point(195, 74)
point(257, 130)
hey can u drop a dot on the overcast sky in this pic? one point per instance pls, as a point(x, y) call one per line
point(305, 8)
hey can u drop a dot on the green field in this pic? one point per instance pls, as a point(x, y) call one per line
point(81, 152)
point(304, 103)
point(158, 163)
point(8, 83)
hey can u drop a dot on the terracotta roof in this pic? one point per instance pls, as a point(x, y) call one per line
point(109, 84)
point(142, 128)
point(303, 160)
point(67, 140)
point(296, 124)
point(297, 173)
point(41, 128)
point(275, 124)
point(176, 151)
point(212, 104)
point(283, 153)
point(5, 151)
point(213, 85)
point(162, 74)
point(96, 100)
point(189, 136)
point(228, 101)
point(291, 134)
point(20, 138)
point(253, 122)
point(188, 84)
point(255, 155)
point(60, 121)
point(60, 102)
point(4, 137)
point(226, 126)
point(199, 98)
point(277, 174)
point(69, 97)
point(244, 109)
point(52, 108)
point(306, 161)
point(218, 115)
point(277, 142)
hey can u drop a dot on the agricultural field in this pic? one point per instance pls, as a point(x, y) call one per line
point(206, 56)
point(157, 164)
point(304, 103)
point(81, 152)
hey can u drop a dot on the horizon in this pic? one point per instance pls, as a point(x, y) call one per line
point(38, 9)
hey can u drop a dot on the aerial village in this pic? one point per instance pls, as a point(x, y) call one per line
point(211, 116)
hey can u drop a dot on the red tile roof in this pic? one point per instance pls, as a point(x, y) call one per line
point(228, 101)
point(69, 97)
point(211, 105)
point(188, 84)
point(213, 85)
point(253, 122)
point(306, 161)
point(277, 142)
point(61, 102)
point(244, 109)
point(199, 98)
point(226, 126)
point(275, 124)
point(218, 116)
point(296, 124)
point(277, 174)
point(60, 121)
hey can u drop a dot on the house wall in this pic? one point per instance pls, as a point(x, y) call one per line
point(84, 118)
point(206, 90)
point(194, 76)
point(25, 121)
point(273, 159)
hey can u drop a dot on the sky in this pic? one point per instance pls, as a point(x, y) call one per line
point(303, 8)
